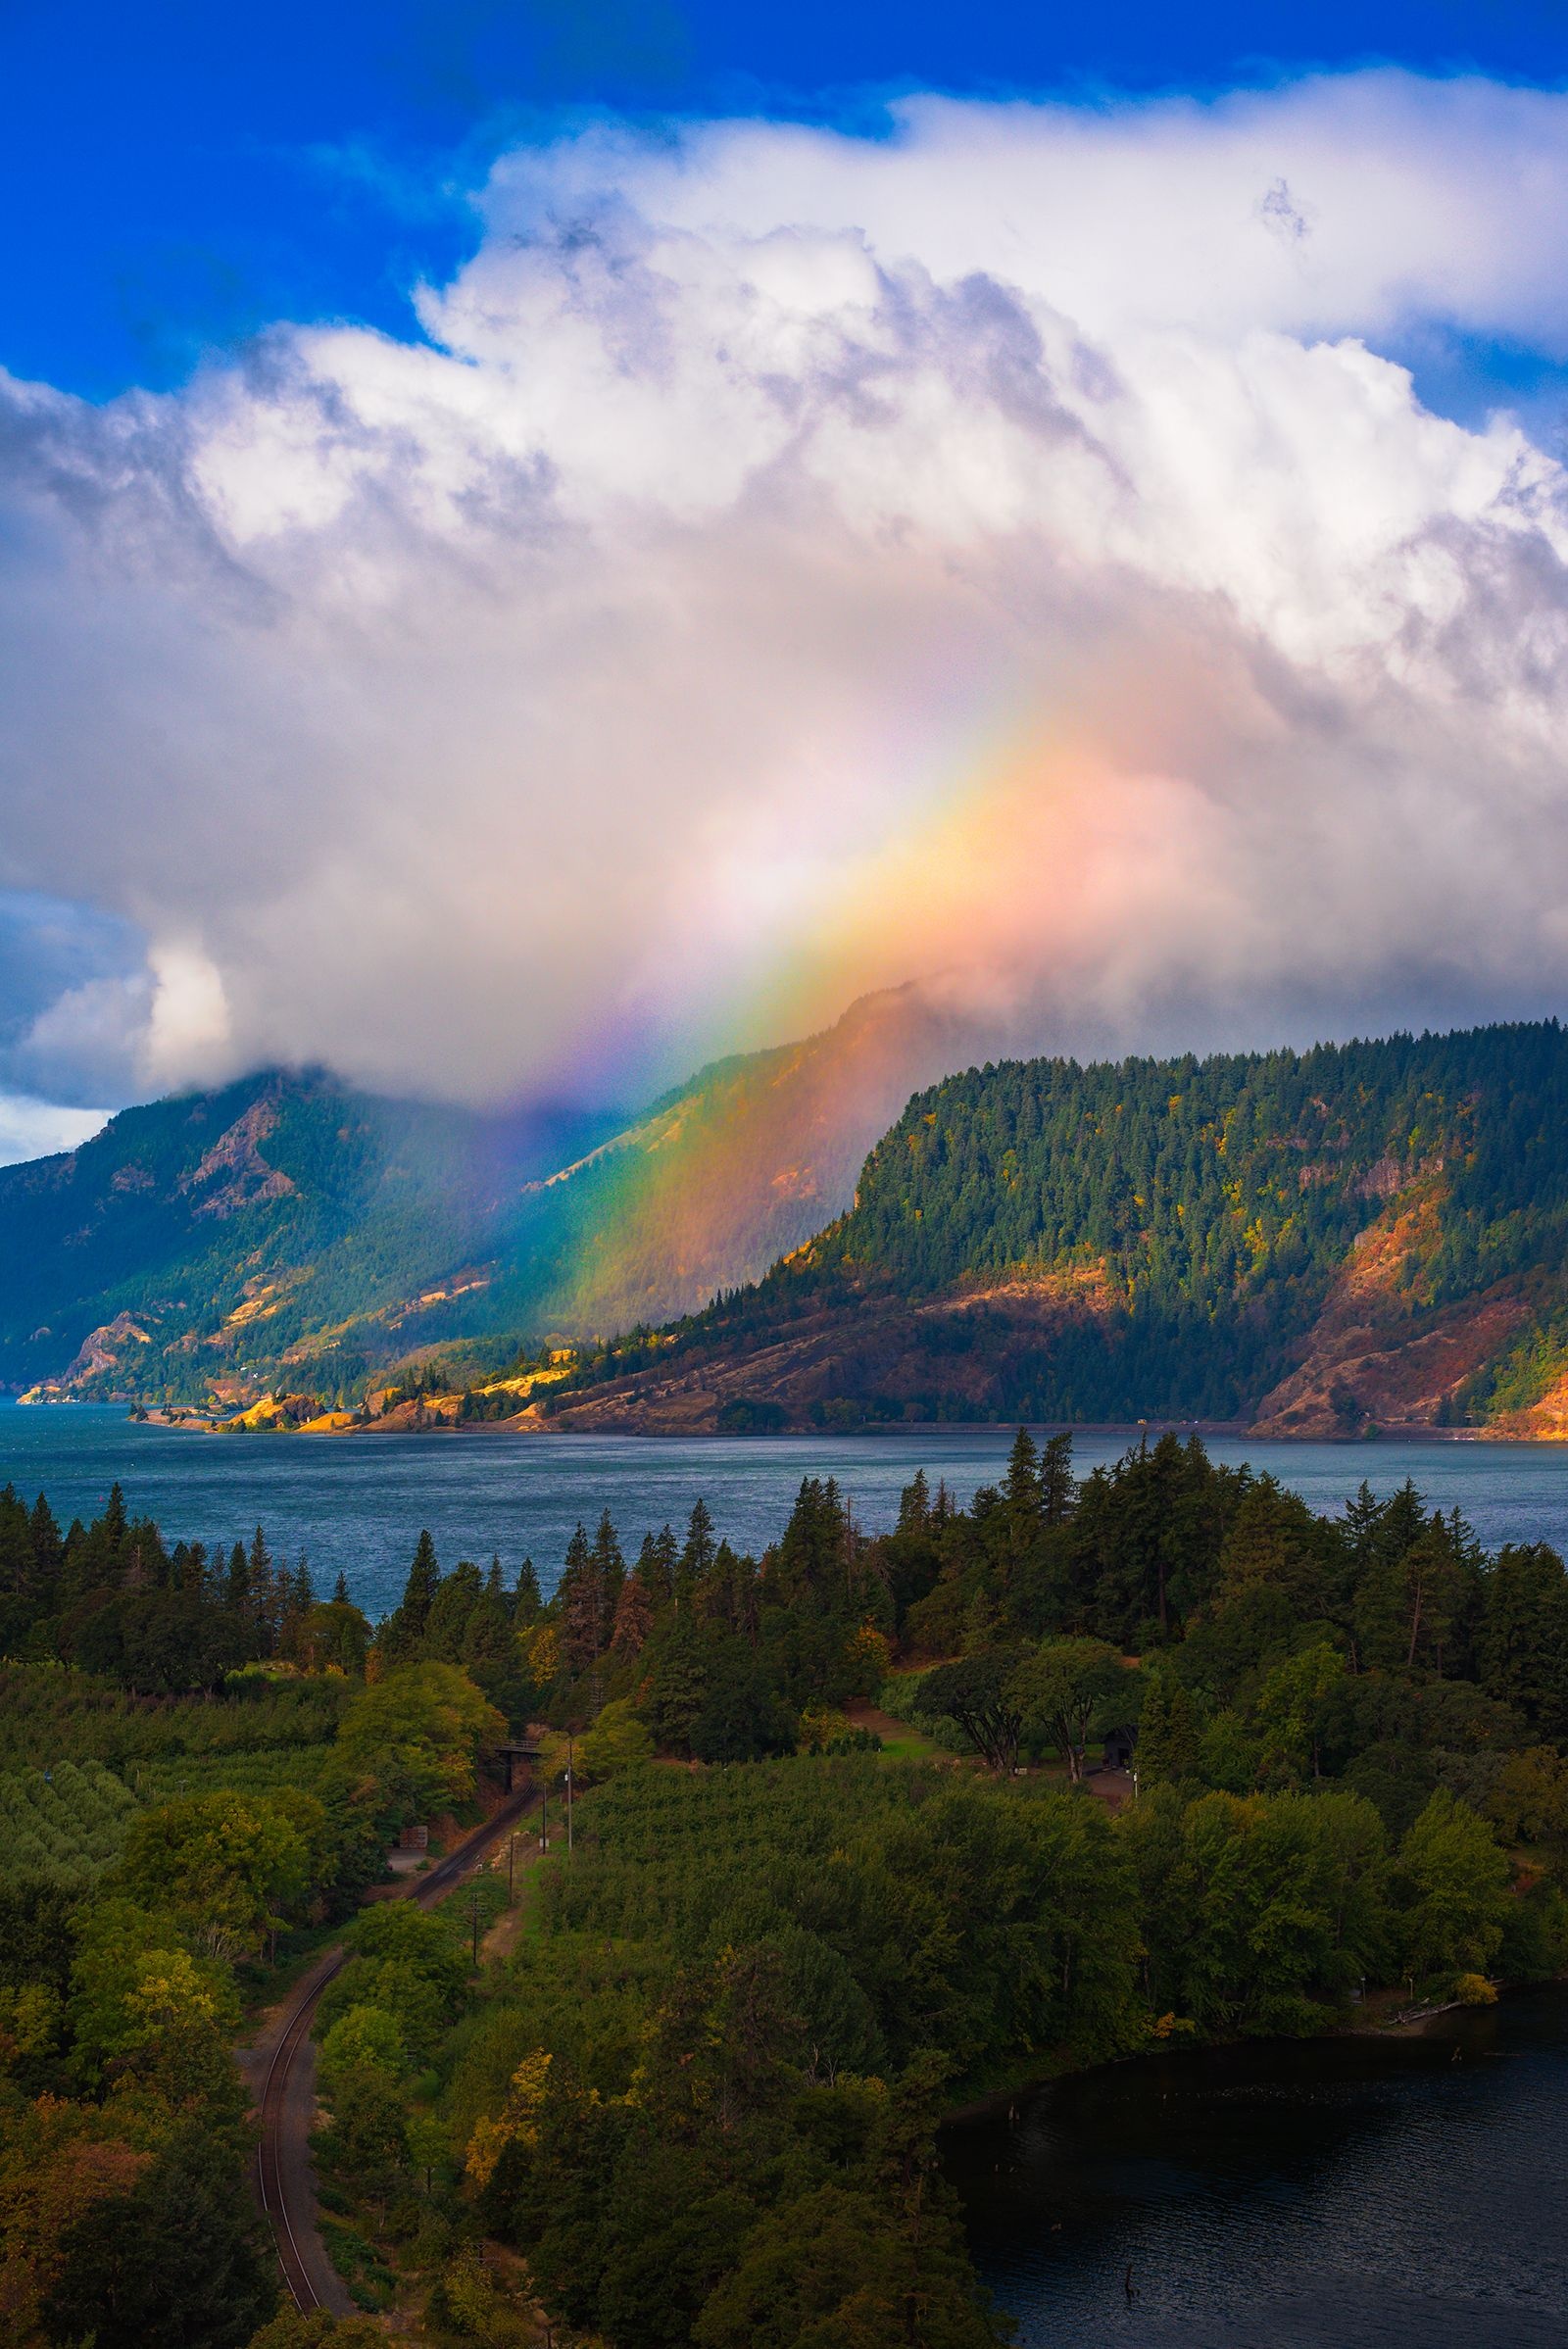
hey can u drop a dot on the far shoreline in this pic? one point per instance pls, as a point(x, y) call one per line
point(1224, 1430)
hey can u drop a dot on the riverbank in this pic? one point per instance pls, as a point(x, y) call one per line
point(1026, 2079)
point(438, 1417)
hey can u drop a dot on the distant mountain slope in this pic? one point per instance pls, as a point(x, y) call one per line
point(196, 1237)
point(721, 1178)
point(287, 1231)
point(1315, 1243)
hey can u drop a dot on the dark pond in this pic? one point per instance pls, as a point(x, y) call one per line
point(1339, 2194)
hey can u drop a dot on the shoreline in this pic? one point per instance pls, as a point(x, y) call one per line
point(1223, 1430)
point(1403, 2024)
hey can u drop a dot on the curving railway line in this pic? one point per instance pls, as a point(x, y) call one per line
point(284, 2068)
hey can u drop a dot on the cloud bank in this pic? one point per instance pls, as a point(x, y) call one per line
point(1006, 551)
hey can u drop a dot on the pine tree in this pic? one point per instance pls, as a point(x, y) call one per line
point(489, 1654)
point(400, 1639)
point(697, 1555)
point(1022, 1484)
point(526, 1603)
point(610, 1565)
point(451, 1610)
point(48, 1549)
point(262, 1595)
point(582, 1593)
point(340, 1592)
point(238, 1582)
point(634, 1616)
point(915, 1506)
point(1057, 1488)
point(657, 1562)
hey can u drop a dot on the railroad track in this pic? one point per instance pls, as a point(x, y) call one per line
point(286, 2096)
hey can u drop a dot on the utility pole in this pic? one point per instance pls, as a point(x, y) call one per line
point(544, 1819)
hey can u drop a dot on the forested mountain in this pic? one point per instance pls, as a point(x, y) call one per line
point(198, 1241)
point(288, 1231)
point(1360, 1235)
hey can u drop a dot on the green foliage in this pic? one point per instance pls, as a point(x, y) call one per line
point(421, 1731)
point(321, 1206)
point(1457, 1881)
point(1187, 1218)
point(66, 1826)
point(230, 1863)
point(618, 1742)
point(46, 1712)
point(699, 2095)
point(1063, 1690)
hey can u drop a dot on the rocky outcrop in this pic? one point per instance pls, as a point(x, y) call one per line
point(1378, 1356)
point(233, 1174)
point(104, 1349)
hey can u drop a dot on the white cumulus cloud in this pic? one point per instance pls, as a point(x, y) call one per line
point(1003, 550)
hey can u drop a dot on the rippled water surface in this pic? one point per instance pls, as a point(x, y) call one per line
point(1348, 2194)
point(357, 1502)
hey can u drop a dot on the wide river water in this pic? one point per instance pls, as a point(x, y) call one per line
point(1335, 2194)
point(356, 1504)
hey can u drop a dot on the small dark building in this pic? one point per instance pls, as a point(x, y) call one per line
point(1120, 1743)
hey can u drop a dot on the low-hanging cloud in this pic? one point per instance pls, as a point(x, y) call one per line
point(999, 551)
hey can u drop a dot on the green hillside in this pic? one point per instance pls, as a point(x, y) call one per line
point(1373, 1232)
point(287, 1233)
point(198, 1236)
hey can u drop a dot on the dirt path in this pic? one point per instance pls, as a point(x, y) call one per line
point(281, 2070)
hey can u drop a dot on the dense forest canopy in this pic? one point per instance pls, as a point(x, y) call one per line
point(696, 2101)
point(1169, 1238)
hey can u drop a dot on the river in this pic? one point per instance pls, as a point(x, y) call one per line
point(1339, 2195)
point(354, 1503)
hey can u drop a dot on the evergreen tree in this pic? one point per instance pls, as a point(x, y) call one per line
point(698, 1554)
point(1021, 1485)
point(611, 1568)
point(915, 1506)
point(489, 1654)
point(452, 1608)
point(583, 1598)
point(238, 1582)
point(657, 1562)
point(634, 1613)
point(1056, 1486)
point(400, 1639)
point(526, 1604)
point(675, 1690)
point(48, 1549)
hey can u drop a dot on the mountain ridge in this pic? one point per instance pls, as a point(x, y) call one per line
point(285, 1229)
point(1363, 1235)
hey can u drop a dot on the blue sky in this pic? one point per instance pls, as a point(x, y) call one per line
point(541, 545)
point(176, 176)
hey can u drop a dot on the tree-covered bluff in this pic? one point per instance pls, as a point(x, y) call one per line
point(1322, 1241)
